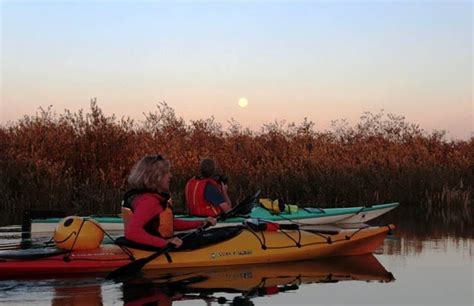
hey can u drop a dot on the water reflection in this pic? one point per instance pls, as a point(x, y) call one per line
point(248, 282)
point(85, 290)
point(233, 285)
point(78, 295)
point(416, 223)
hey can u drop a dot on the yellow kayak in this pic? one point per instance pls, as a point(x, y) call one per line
point(251, 247)
point(246, 246)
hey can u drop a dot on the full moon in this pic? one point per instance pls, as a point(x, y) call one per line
point(243, 102)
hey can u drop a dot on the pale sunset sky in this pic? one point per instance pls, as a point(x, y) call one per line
point(323, 60)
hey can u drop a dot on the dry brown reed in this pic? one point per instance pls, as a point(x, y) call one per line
point(78, 162)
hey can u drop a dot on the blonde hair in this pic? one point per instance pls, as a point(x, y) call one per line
point(147, 173)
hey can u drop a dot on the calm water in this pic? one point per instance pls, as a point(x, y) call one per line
point(404, 271)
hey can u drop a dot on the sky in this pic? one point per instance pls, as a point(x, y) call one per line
point(324, 60)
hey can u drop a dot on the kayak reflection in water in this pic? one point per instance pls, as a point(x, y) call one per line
point(146, 292)
point(250, 281)
point(147, 206)
point(74, 294)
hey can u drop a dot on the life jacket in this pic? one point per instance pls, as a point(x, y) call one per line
point(161, 224)
point(196, 202)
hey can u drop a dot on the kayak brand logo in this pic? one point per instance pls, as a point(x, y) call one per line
point(241, 275)
point(215, 255)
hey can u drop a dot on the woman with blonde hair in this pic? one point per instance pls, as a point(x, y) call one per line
point(152, 222)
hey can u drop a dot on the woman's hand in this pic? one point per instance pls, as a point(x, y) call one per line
point(175, 241)
point(211, 221)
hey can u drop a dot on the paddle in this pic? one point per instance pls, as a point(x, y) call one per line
point(131, 269)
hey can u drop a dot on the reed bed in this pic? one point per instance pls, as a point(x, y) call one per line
point(79, 162)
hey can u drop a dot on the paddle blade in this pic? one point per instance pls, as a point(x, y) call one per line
point(128, 271)
point(244, 207)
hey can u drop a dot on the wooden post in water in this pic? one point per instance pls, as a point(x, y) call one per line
point(26, 230)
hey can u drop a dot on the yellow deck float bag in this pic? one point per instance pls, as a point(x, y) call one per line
point(278, 206)
point(78, 234)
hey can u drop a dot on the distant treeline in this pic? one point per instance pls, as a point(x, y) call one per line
point(79, 162)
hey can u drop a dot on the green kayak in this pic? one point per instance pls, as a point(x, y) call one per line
point(302, 216)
